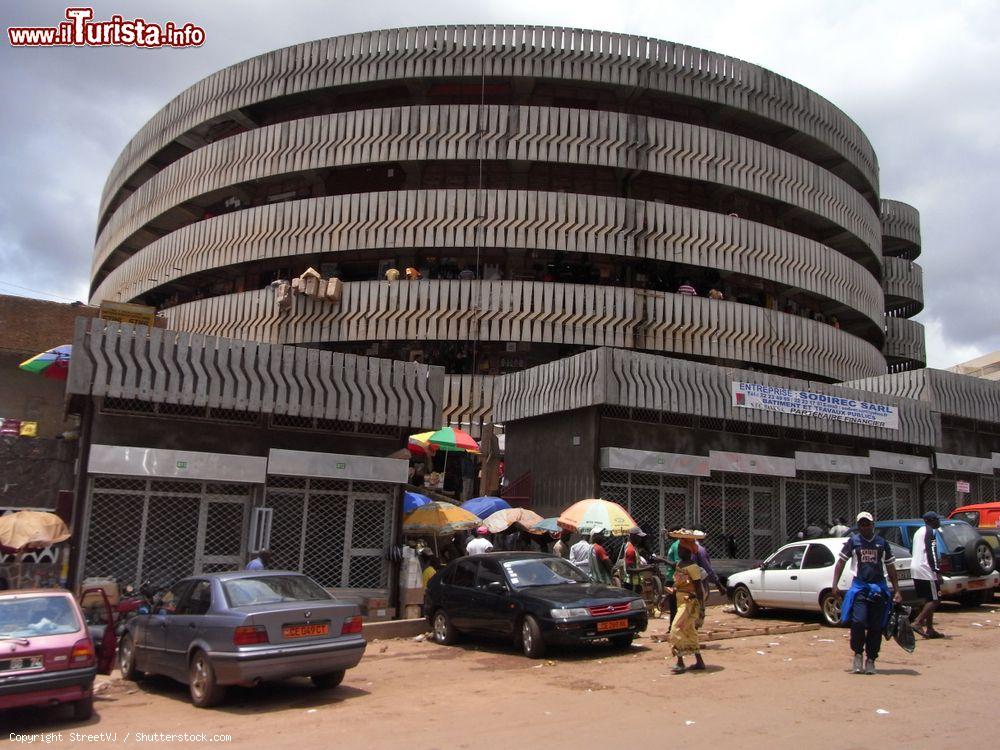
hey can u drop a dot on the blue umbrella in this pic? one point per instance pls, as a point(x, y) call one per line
point(547, 524)
point(485, 506)
point(413, 500)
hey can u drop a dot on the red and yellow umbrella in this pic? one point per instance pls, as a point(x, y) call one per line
point(418, 444)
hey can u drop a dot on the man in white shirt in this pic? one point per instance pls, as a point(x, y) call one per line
point(480, 545)
point(579, 555)
point(926, 574)
point(840, 528)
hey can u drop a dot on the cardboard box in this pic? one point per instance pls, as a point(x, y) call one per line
point(412, 596)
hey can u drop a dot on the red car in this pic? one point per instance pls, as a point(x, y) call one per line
point(47, 657)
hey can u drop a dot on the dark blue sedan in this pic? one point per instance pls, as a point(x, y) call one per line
point(242, 628)
point(532, 598)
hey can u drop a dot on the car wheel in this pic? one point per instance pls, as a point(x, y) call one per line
point(743, 602)
point(980, 558)
point(829, 607)
point(444, 631)
point(83, 709)
point(126, 659)
point(531, 638)
point(329, 680)
point(622, 641)
point(205, 690)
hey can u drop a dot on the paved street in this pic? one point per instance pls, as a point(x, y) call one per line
point(765, 691)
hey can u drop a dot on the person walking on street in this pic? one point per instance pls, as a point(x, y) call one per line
point(579, 555)
point(690, 595)
point(633, 578)
point(600, 563)
point(926, 574)
point(867, 603)
point(480, 545)
point(261, 562)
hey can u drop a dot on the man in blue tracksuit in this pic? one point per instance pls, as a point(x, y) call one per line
point(867, 603)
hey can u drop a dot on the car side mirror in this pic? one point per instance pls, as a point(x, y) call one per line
point(496, 587)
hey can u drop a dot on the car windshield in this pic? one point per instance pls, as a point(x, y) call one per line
point(245, 592)
point(33, 616)
point(543, 572)
point(958, 535)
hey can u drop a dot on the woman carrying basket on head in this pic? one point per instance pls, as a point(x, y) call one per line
point(690, 602)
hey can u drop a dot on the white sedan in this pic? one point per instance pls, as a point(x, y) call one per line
point(798, 576)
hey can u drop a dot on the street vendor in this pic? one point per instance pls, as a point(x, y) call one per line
point(690, 594)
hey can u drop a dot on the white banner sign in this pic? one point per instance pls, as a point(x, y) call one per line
point(819, 405)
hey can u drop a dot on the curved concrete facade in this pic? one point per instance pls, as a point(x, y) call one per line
point(577, 179)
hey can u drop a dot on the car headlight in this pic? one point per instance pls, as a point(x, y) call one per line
point(637, 604)
point(569, 613)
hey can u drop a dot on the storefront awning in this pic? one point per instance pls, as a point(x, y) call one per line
point(751, 463)
point(630, 459)
point(971, 464)
point(175, 464)
point(899, 462)
point(831, 462)
point(336, 466)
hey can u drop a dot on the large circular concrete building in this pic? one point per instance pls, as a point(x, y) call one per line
point(557, 190)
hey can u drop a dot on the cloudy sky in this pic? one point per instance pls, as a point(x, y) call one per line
point(918, 77)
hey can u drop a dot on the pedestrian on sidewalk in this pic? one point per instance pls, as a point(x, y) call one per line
point(868, 602)
point(633, 578)
point(261, 562)
point(561, 547)
point(480, 545)
point(600, 563)
point(926, 574)
point(579, 555)
point(690, 595)
point(839, 528)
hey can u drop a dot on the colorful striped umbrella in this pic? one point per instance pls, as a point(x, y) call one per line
point(439, 518)
point(587, 515)
point(418, 444)
point(454, 440)
point(53, 363)
point(504, 519)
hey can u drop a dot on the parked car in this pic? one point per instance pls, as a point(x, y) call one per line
point(211, 631)
point(798, 575)
point(968, 568)
point(48, 657)
point(983, 515)
point(532, 598)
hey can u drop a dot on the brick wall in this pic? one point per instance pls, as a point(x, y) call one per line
point(27, 327)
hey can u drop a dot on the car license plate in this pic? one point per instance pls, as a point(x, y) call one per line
point(903, 575)
point(603, 627)
point(305, 630)
point(977, 584)
point(27, 662)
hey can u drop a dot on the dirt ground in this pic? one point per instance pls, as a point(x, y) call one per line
point(773, 691)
